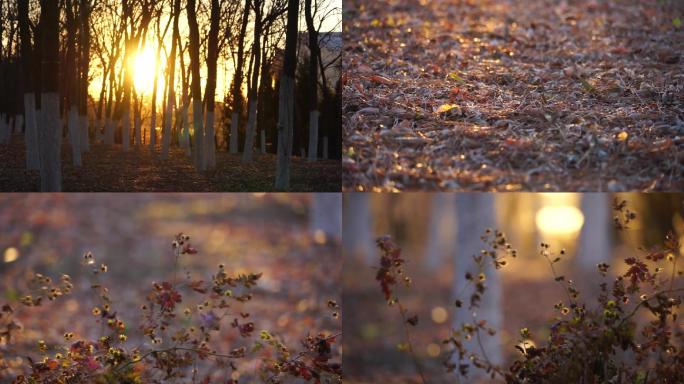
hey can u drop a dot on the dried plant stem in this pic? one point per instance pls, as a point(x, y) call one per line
point(409, 342)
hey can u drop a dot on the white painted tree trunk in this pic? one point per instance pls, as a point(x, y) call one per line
point(285, 131)
point(209, 141)
point(85, 135)
point(313, 135)
point(233, 132)
point(199, 134)
point(31, 132)
point(74, 126)
point(137, 127)
point(166, 130)
point(595, 243)
point(185, 142)
point(109, 131)
point(358, 239)
point(249, 135)
point(126, 129)
point(474, 214)
point(49, 141)
point(440, 239)
point(325, 147)
point(326, 214)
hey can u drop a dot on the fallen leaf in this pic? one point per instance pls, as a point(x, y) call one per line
point(444, 108)
point(622, 136)
point(381, 80)
point(455, 77)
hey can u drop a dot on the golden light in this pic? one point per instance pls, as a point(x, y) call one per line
point(11, 254)
point(439, 315)
point(559, 220)
point(433, 350)
point(319, 237)
point(143, 70)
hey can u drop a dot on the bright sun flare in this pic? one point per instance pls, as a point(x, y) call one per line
point(143, 67)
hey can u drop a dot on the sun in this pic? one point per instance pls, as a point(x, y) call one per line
point(143, 70)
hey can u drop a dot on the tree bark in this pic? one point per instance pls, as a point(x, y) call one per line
point(210, 90)
point(27, 53)
point(595, 237)
point(252, 99)
point(326, 214)
point(72, 78)
point(49, 138)
point(313, 81)
point(196, 86)
point(166, 129)
point(358, 227)
point(440, 239)
point(237, 81)
point(286, 101)
point(84, 13)
point(474, 214)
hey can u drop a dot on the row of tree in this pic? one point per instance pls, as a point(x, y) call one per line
point(55, 49)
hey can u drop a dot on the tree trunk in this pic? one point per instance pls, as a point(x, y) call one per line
point(210, 91)
point(196, 86)
point(27, 63)
point(474, 214)
point(85, 66)
point(313, 81)
point(137, 119)
point(595, 237)
point(358, 227)
point(253, 98)
point(166, 129)
point(237, 81)
point(72, 78)
point(326, 214)
point(286, 100)
point(49, 137)
point(440, 240)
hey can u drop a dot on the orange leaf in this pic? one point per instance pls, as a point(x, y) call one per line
point(381, 80)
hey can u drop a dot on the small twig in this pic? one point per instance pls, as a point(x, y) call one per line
point(407, 332)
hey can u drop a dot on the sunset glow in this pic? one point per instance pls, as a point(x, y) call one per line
point(143, 70)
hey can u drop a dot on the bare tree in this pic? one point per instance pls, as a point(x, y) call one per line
point(28, 65)
point(72, 79)
point(171, 71)
point(49, 137)
point(196, 86)
point(237, 79)
point(286, 99)
point(313, 80)
point(210, 90)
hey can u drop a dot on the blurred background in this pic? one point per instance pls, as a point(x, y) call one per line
point(440, 232)
point(293, 239)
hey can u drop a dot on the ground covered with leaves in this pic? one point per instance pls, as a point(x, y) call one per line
point(109, 169)
point(508, 95)
point(132, 235)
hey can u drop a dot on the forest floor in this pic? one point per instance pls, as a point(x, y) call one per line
point(109, 169)
point(509, 95)
point(132, 234)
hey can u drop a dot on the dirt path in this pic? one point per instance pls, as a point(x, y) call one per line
point(108, 169)
point(583, 95)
